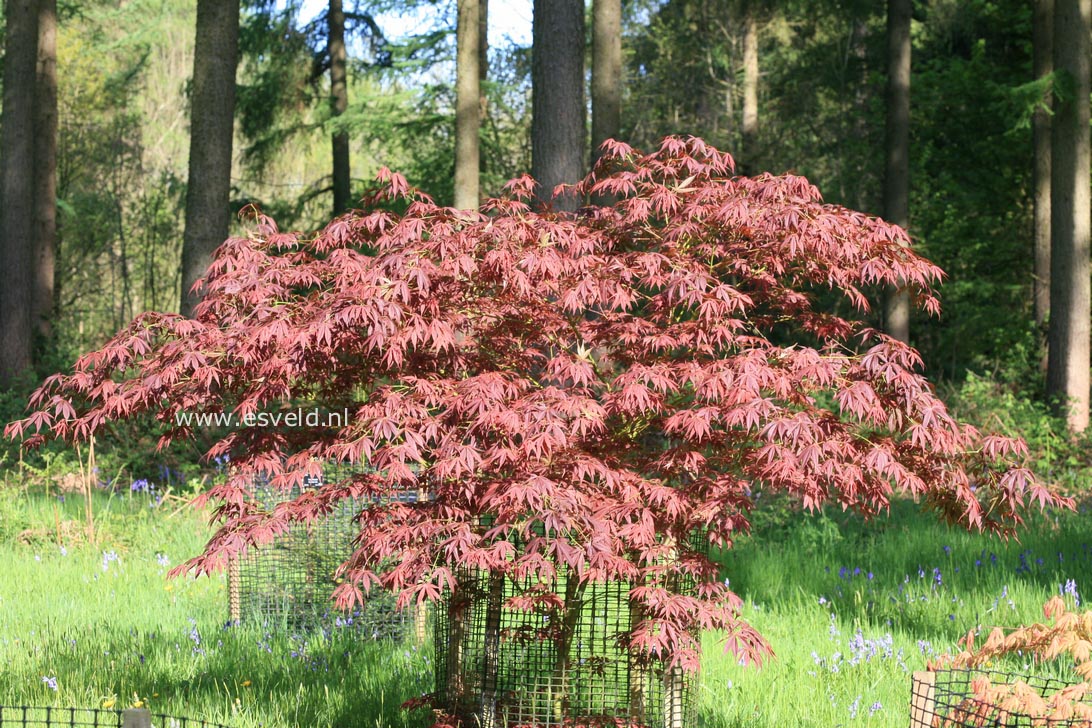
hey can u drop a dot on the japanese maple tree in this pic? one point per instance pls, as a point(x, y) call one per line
point(579, 391)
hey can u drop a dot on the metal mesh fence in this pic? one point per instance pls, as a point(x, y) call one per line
point(946, 699)
point(24, 716)
point(549, 665)
point(288, 583)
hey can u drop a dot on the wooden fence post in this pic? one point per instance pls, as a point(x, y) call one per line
point(235, 602)
point(136, 718)
point(922, 703)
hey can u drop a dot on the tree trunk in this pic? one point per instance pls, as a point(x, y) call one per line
point(1043, 65)
point(750, 89)
point(560, 686)
point(208, 192)
point(606, 84)
point(468, 104)
point(557, 81)
point(45, 168)
point(483, 45)
point(494, 608)
point(1067, 369)
point(896, 183)
point(339, 102)
point(17, 187)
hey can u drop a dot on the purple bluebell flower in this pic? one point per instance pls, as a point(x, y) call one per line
point(50, 682)
point(1070, 589)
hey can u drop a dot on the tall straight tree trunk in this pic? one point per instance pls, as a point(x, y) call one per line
point(1043, 65)
point(557, 81)
point(606, 84)
point(45, 167)
point(750, 88)
point(483, 45)
point(1068, 338)
point(208, 192)
point(339, 103)
point(17, 187)
point(468, 104)
point(896, 181)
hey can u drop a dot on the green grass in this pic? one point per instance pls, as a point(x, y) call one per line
point(109, 630)
point(114, 631)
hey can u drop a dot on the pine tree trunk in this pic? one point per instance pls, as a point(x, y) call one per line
point(339, 103)
point(483, 46)
point(1067, 368)
point(468, 104)
point(606, 84)
point(17, 187)
point(557, 80)
point(750, 90)
point(208, 192)
point(45, 168)
point(896, 185)
point(1043, 65)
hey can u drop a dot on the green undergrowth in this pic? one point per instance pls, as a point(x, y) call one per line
point(850, 609)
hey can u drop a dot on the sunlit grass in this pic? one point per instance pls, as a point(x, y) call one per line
point(849, 608)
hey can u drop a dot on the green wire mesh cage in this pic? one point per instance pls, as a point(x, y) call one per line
point(947, 699)
point(289, 583)
point(549, 665)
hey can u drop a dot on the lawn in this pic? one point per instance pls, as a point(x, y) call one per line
point(850, 609)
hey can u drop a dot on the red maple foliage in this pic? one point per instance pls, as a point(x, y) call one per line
point(584, 390)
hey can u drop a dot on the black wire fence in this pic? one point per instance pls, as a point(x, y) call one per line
point(549, 665)
point(289, 583)
point(24, 716)
point(947, 699)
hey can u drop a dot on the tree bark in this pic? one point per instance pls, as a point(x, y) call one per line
point(1043, 65)
point(208, 192)
point(339, 103)
point(750, 89)
point(483, 45)
point(468, 104)
point(45, 168)
point(1068, 338)
point(896, 185)
point(606, 83)
point(557, 81)
point(17, 187)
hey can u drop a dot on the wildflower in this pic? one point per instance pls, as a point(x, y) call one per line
point(64, 551)
point(108, 557)
point(50, 682)
point(822, 601)
point(947, 550)
point(853, 707)
point(195, 637)
point(140, 486)
point(246, 683)
point(162, 560)
point(1070, 589)
point(875, 708)
point(109, 702)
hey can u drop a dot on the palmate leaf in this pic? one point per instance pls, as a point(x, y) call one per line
point(579, 390)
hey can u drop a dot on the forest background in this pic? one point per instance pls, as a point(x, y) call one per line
point(786, 86)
